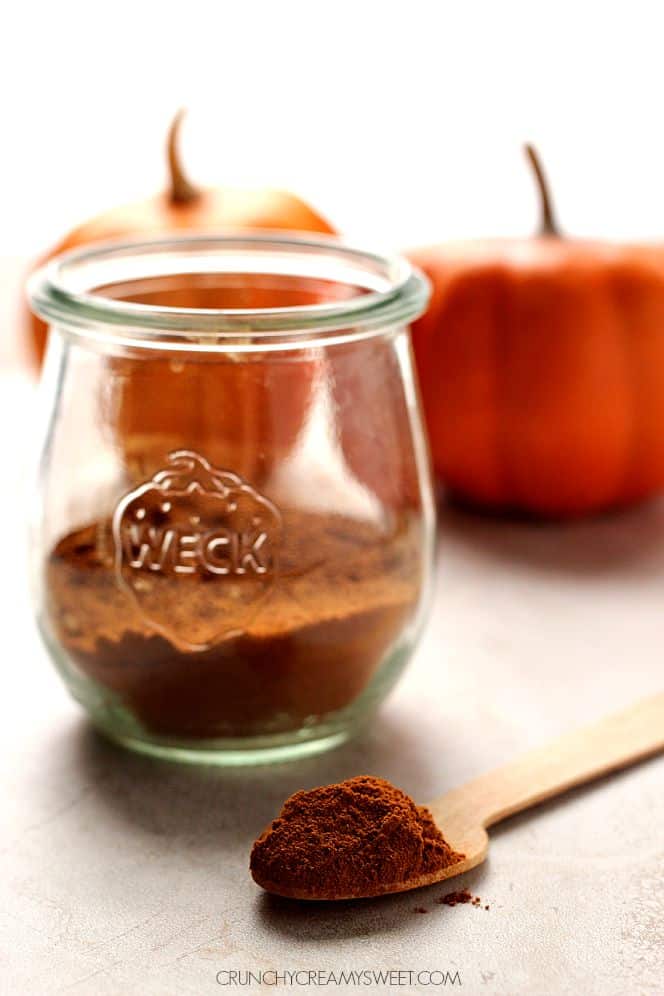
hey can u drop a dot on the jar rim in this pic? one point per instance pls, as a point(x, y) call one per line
point(65, 291)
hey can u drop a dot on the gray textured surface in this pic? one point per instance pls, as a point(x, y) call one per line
point(122, 876)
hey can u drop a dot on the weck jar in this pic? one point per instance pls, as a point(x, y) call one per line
point(234, 522)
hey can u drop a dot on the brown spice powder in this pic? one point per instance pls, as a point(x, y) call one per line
point(457, 898)
point(358, 837)
point(345, 590)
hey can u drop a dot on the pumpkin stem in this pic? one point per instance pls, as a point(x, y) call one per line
point(548, 223)
point(182, 190)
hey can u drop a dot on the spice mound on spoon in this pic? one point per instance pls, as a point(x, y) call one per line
point(364, 837)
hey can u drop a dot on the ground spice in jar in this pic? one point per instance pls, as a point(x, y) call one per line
point(362, 836)
point(308, 647)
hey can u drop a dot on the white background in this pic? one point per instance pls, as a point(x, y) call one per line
point(401, 121)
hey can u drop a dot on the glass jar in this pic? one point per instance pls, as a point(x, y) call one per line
point(235, 516)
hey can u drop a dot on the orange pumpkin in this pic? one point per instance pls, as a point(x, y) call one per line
point(541, 366)
point(244, 416)
point(184, 207)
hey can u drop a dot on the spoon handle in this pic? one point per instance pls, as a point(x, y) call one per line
point(578, 757)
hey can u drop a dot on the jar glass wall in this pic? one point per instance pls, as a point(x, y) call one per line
point(234, 529)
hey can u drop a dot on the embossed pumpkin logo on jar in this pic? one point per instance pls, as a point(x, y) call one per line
point(196, 549)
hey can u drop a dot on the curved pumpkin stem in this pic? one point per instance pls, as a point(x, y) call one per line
point(182, 190)
point(548, 223)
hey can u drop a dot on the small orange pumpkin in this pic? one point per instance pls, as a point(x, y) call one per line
point(541, 366)
point(185, 207)
point(244, 416)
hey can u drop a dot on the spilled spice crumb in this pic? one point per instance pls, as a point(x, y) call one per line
point(455, 898)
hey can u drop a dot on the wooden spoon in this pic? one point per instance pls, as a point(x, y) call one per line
point(464, 814)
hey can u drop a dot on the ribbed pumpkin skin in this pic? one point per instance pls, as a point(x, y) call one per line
point(541, 366)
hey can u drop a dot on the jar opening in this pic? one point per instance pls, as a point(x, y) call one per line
point(230, 291)
point(203, 290)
